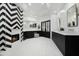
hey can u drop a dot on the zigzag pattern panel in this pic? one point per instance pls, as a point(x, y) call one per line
point(11, 17)
point(19, 26)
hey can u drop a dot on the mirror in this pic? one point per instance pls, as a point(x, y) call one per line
point(72, 16)
point(48, 26)
point(43, 26)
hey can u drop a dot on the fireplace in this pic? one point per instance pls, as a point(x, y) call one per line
point(15, 38)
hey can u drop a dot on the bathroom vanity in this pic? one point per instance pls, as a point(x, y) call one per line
point(65, 33)
point(67, 42)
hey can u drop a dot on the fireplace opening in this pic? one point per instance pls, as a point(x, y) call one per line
point(15, 38)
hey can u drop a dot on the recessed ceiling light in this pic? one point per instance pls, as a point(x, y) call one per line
point(55, 12)
point(42, 3)
point(35, 16)
point(62, 10)
point(48, 5)
point(29, 4)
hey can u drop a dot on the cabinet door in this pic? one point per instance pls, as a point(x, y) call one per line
point(72, 43)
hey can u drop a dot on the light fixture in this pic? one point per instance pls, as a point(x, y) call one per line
point(29, 4)
point(48, 5)
point(42, 3)
point(35, 16)
point(31, 19)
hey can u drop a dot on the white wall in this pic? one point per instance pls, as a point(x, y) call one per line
point(75, 29)
point(54, 23)
point(63, 20)
point(27, 22)
point(63, 17)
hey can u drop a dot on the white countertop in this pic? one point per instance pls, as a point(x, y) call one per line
point(31, 30)
point(67, 33)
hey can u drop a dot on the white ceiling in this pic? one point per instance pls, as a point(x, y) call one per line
point(41, 10)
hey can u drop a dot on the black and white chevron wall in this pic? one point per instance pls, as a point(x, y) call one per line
point(11, 17)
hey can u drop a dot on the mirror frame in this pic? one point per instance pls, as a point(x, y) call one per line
point(76, 16)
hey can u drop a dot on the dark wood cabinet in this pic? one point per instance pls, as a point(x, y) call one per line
point(67, 44)
point(30, 34)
